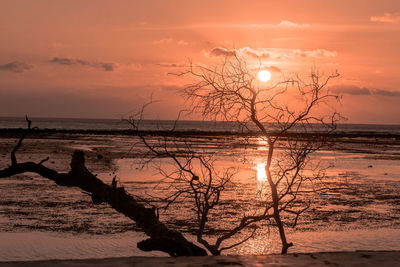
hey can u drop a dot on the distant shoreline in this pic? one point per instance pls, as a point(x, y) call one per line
point(122, 119)
point(15, 132)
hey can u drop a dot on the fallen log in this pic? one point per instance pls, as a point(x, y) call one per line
point(161, 238)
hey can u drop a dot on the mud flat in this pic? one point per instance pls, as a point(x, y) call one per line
point(358, 258)
point(361, 214)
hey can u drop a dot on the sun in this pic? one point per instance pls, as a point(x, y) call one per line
point(264, 75)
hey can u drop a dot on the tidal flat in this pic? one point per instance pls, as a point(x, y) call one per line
point(359, 212)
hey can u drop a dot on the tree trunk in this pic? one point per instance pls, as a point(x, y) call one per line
point(275, 202)
point(161, 238)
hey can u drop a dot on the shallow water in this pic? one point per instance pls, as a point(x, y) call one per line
point(40, 220)
point(50, 245)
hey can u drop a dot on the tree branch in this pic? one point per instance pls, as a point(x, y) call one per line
point(161, 238)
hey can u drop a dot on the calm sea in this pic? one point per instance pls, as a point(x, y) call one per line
point(119, 124)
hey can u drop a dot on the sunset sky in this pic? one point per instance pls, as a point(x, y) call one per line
point(103, 59)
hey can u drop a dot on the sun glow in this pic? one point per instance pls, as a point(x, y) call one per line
point(261, 174)
point(264, 75)
point(262, 144)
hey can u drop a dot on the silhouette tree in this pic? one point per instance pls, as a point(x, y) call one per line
point(196, 179)
point(293, 116)
point(227, 92)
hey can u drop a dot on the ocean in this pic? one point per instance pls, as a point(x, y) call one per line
point(41, 220)
point(183, 125)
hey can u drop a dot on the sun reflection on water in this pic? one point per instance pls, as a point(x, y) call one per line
point(261, 175)
point(262, 185)
point(262, 144)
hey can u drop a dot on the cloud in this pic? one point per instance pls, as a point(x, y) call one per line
point(318, 53)
point(63, 61)
point(171, 65)
point(355, 90)
point(286, 23)
point(15, 66)
point(170, 41)
point(182, 42)
point(106, 66)
point(224, 52)
point(163, 41)
point(254, 53)
point(273, 69)
point(272, 53)
point(385, 92)
point(350, 90)
point(387, 18)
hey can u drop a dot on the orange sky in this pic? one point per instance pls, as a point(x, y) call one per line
point(103, 59)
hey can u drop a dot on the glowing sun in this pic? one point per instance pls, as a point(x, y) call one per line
point(264, 75)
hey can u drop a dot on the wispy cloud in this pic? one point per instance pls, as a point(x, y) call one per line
point(170, 41)
point(15, 66)
point(387, 18)
point(106, 66)
point(283, 24)
point(255, 53)
point(315, 53)
point(163, 41)
point(273, 69)
point(286, 23)
point(273, 53)
point(356, 90)
point(171, 65)
point(223, 52)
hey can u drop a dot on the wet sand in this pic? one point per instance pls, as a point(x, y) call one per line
point(371, 202)
point(360, 258)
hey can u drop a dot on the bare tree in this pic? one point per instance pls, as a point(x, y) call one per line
point(195, 178)
point(292, 131)
point(227, 92)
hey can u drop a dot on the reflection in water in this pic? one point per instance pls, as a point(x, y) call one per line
point(262, 144)
point(262, 185)
point(261, 175)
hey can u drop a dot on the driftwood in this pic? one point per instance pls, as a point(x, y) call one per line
point(161, 238)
